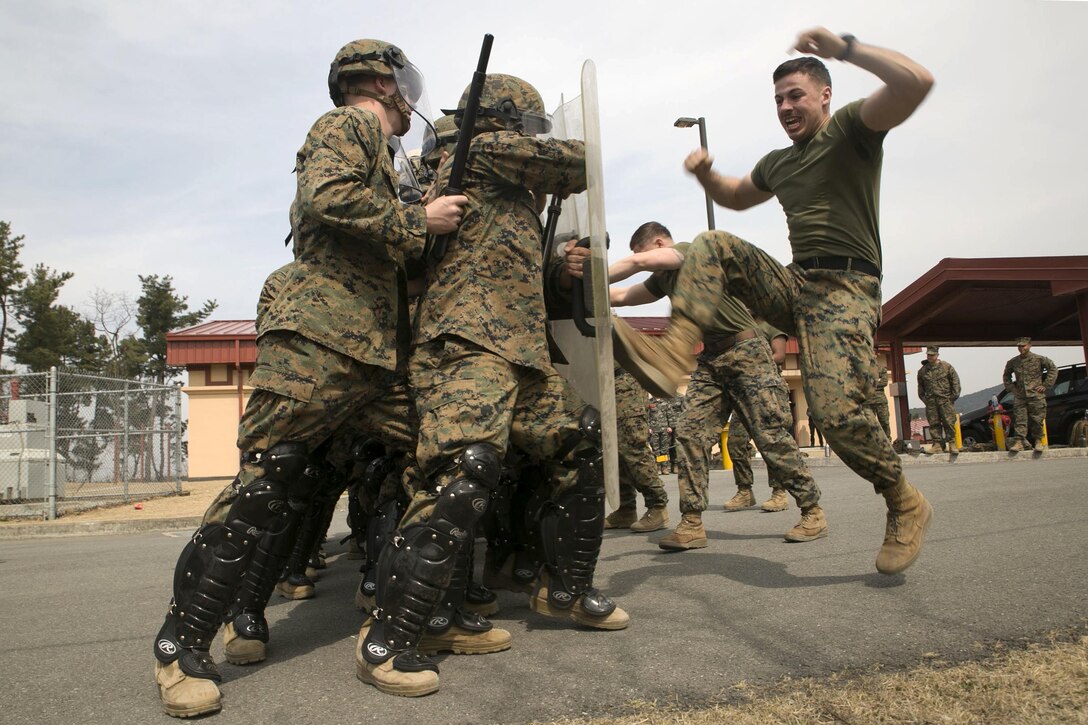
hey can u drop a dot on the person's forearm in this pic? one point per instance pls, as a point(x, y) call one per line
point(621, 270)
point(900, 74)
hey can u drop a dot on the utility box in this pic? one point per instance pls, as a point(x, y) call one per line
point(24, 452)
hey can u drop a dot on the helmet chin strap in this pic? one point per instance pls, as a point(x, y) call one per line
point(395, 102)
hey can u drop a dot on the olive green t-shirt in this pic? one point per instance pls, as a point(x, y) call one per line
point(829, 187)
point(731, 316)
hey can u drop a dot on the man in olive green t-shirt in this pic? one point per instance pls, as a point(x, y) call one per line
point(735, 372)
point(828, 183)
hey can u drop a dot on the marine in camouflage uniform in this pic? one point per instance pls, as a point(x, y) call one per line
point(1027, 376)
point(939, 388)
point(658, 418)
point(829, 296)
point(483, 382)
point(674, 412)
point(734, 372)
point(326, 352)
point(739, 443)
point(877, 401)
point(638, 469)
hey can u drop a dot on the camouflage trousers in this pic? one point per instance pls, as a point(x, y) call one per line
point(638, 465)
point(739, 446)
point(941, 415)
point(466, 394)
point(305, 393)
point(743, 379)
point(1028, 414)
point(833, 314)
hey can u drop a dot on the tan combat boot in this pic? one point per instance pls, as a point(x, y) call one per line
point(296, 588)
point(621, 518)
point(184, 696)
point(1016, 446)
point(388, 679)
point(742, 499)
point(242, 651)
point(654, 519)
point(690, 534)
point(909, 515)
point(577, 613)
point(660, 366)
point(462, 641)
point(1039, 447)
point(812, 526)
point(778, 501)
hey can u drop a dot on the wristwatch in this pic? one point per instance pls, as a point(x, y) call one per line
point(849, 40)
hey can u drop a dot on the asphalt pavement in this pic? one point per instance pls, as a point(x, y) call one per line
point(1004, 560)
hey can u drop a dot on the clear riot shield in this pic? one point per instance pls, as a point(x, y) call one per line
point(590, 368)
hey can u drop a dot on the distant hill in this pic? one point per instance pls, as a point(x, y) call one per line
point(969, 402)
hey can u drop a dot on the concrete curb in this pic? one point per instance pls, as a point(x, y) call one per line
point(922, 459)
point(97, 528)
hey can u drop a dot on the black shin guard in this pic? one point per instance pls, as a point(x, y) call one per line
point(212, 565)
point(379, 529)
point(449, 611)
point(571, 529)
point(416, 567)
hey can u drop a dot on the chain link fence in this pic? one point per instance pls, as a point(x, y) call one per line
point(70, 441)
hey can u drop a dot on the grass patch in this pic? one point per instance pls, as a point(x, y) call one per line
point(1044, 682)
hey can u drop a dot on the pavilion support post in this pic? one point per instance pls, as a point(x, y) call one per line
point(1082, 313)
point(899, 377)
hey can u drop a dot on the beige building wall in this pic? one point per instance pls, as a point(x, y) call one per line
point(213, 423)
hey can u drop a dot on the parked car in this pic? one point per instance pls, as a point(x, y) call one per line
point(1066, 403)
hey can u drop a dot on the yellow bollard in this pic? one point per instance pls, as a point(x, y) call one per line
point(727, 462)
point(1045, 441)
point(958, 434)
point(999, 431)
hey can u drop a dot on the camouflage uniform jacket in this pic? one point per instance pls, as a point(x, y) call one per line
point(352, 234)
point(489, 287)
point(1025, 372)
point(938, 380)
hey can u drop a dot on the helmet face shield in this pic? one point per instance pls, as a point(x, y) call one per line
point(410, 186)
point(535, 124)
point(409, 81)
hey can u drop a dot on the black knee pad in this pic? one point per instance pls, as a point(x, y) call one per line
point(590, 425)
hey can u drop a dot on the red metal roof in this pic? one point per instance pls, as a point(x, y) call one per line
point(218, 341)
point(216, 329)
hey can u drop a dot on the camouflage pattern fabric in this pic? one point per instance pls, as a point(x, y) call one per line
point(739, 446)
point(938, 380)
point(743, 378)
point(833, 314)
point(305, 393)
point(1022, 375)
point(489, 287)
point(351, 237)
point(467, 394)
point(674, 412)
point(638, 469)
point(658, 419)
point(939, 387)
point(877, 401)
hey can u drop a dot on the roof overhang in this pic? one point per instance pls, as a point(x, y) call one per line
point(990, 302)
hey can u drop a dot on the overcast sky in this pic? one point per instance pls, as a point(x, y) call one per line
point(159, 138)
